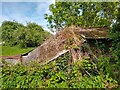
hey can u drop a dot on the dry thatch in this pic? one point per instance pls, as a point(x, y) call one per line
point(63, 42)
point(94, 33)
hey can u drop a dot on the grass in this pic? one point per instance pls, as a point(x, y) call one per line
point(9, 51)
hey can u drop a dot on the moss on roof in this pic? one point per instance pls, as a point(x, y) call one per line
point(56, 44)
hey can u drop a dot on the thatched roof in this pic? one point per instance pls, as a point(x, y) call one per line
point(56, 45)
point(92, 32)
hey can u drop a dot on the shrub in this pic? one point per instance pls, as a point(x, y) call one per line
point(56, 74)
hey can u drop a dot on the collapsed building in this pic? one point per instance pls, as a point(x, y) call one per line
point(72, 39)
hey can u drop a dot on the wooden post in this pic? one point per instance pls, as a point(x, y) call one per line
point(21, 58)
point(73, 55)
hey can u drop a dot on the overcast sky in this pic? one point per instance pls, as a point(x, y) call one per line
point(22, 12)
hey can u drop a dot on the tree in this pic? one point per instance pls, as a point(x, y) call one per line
point(8, 29)
point(14, 33)
point(115, 37)
point(115, 34)
point(31, 35)
point(82, 14)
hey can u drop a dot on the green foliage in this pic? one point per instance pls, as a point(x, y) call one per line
point(56, 74)
point(115, 49)
point(83, 14)
point(31, 35)
point(115, 35)
point(8, 29)
point(103, 72)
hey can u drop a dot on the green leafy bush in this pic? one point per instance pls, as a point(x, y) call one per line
point(31, 35)
point(56, 74)
point(115, 49)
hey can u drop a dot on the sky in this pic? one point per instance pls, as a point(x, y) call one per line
point(23, 11)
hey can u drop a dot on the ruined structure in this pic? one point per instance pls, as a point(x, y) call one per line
point(71, 40)
point(68, 40)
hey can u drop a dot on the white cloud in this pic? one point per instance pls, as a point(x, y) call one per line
point(53, 1)
point(0, 9)
point(37, 16)
point(15, 16)
point(4, 18)
point(41, 7)
point(44, 6)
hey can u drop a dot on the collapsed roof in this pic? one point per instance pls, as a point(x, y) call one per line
point(63, 41)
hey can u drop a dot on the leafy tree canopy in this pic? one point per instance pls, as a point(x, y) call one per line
point(31, 35)
point(84, 14)
point(115, 36)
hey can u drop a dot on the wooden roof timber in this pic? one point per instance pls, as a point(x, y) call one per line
point(93, 33)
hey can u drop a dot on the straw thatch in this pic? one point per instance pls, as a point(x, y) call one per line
point(64, 41)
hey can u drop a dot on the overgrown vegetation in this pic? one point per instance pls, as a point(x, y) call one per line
point(59, 74)
point(90, 14)
point(103, 71)
point(115, 49)
point(14, 33)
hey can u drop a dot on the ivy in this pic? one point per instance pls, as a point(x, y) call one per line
point(56, 74)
